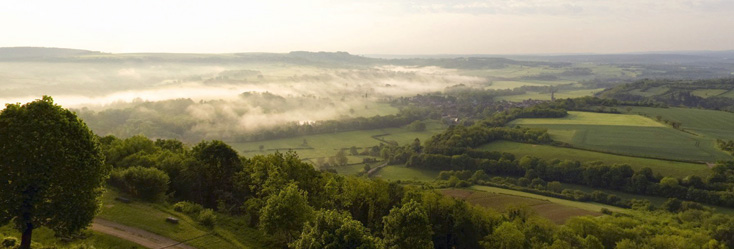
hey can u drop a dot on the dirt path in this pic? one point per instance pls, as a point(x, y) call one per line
point(136, 235)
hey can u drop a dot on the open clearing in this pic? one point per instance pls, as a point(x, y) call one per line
point(628, 135)
point(500, 199)
point(666, 168)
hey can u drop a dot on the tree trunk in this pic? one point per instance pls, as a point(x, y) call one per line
point(25, 241)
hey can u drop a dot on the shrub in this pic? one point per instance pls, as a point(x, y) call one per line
point(9, 242)
point(146, 183)
point(207, 217)
point(188, 208)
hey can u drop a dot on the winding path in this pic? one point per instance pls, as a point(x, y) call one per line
point(136, 235)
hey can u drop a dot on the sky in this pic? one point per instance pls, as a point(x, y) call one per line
point(370, 26)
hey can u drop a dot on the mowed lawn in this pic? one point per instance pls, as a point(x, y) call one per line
point(627, 134)
point(664, 167)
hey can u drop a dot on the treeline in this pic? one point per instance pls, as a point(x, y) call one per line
point(300, 207)
point(675, 93)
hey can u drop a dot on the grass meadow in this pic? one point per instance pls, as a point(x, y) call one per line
point(327, 145)
point(664, 167)
point(625, 134)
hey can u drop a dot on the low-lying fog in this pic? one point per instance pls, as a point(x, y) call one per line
point(226, 99)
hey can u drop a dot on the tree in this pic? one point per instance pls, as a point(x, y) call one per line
point(284, 214)
point(51, 169)
point(212, 173)
point(341, 158)
point(407, 227)
point(334, 230)
point(506, 236)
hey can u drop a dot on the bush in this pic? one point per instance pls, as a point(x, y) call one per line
point(188, 208)
point(145, 183)
point(9, 242)
point(207, 217)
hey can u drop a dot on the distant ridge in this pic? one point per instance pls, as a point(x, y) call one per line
point(41, 52)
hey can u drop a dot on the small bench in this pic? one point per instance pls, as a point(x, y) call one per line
point(172, 220)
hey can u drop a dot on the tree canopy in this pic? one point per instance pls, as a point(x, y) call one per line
point(51, 169)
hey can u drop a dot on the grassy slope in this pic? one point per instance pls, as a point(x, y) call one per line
point(151, 217)
point(667, 168)
point(628, 135)
point(590, 206)
point(46, 237)
point(708, 123)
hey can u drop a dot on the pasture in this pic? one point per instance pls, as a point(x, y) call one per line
point(627, 135)
point(400, 172)
point(327, 145)
point(664, 167)
point(45, 236)
point(707, 93)
point(500, 199)
point(547, 96)
point(706, 123)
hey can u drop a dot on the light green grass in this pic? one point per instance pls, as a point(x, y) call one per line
point(728, 94)
point(665, 168)
point(399, 172)
point(45, 237)
point(547, 96)
point(591, 118)
point(706, 93)
point(590, 206)
point(709, 123)
point(349, 170)
point(327, 145)
point(634, 135)
point(151, 217)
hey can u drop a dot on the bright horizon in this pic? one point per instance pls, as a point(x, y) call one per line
point(371, 27)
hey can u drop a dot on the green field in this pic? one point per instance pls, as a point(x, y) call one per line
point(399, 172)
point(547, 96)
point(706, 93)
point(708, 123)
point(590, 206)
point(591, 118)
point(628, 135)
point(666, 168)
point(327, 145)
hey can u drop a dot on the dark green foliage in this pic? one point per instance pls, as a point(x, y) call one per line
point(335, 230)
point(51, 170)
point(285, 214)
point(407, 227)
point(212, 173)
point(188, 208)
point(206, 217)
point(148, 184)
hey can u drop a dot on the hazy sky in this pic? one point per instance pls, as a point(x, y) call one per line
point(371, 26)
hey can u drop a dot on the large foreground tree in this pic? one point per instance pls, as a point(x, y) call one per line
point(51, 169)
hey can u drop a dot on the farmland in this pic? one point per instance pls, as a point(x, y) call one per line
point(399, 172)
point(707, 123)
point(327, 145)
point(628, 135)
point(554, 209)
point(547, 96)
point(664, 167)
